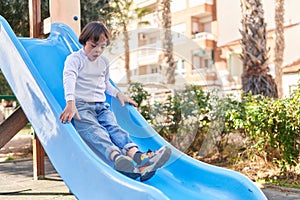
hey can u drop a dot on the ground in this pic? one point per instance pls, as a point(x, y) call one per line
point(21, 147)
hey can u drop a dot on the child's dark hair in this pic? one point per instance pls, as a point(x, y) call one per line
point(93, 31)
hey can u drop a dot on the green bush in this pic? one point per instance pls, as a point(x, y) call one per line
point(181, 119)
point(226, 117)
point(271, 127)
point(140, 95)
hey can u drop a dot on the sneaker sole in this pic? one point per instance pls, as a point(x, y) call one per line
point(126, 167)
point(150, 171)
point(132, 175)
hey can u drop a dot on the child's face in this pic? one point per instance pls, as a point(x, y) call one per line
point(94, 49)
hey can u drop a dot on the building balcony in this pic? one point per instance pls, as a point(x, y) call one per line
point(204, 39)
point(202, 10)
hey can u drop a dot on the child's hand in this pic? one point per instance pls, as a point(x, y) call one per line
point(123, 99)
point(69, 112)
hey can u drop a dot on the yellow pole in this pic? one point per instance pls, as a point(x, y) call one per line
point(67, 12)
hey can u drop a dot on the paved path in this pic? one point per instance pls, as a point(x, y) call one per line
point(16, 183)
point(281, 193)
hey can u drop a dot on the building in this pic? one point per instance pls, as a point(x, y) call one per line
point(206, 45)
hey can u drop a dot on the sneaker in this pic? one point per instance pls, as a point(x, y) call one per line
point(125, 166)
point(151, 161)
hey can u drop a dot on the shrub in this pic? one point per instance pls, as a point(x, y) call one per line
point(271, 127)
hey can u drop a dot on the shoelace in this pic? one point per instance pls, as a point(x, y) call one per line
point(150, 153)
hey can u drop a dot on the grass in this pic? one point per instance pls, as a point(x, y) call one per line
point(27, 130)
point(9, 159)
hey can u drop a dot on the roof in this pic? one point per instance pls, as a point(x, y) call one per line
point(294, 67)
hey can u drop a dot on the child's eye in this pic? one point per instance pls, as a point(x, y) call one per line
point(93, 46)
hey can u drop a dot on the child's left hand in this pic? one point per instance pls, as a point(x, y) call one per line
point(123, 99)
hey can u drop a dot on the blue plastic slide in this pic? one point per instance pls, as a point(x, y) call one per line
point(33, 68)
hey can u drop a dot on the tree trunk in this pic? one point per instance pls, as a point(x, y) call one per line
point(167, 41)
point(279, 44)
point(255, 78)
point(127, 53)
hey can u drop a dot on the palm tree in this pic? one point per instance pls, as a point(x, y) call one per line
point(120, 17)
point(167, 41)
point(255, 77)
point(279, 43)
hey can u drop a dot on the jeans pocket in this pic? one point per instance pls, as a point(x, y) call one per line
point(80, 105)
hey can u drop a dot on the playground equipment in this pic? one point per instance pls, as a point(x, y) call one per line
point(67, 12)
point(33, 68)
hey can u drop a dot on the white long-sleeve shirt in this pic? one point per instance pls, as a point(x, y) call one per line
point(87, 80)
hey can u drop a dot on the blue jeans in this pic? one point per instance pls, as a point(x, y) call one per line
point(98, 127)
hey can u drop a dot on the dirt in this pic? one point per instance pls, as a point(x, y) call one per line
point(19, 146)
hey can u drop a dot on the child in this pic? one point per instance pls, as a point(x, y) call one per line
point(86, 78)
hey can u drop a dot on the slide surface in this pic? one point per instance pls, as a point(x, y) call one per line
point(33, 68)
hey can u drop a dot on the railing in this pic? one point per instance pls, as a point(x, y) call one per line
point(204, 36)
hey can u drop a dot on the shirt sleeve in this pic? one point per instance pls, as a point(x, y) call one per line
point(70, 74)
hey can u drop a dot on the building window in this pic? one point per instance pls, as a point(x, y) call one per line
point(196, 62)
point(207, 27)
point(235, 65)
point(207, 63)
point(180, 69)
point(200, 25)
point(195, 27)
point(202, 59)
point(133, 72)
point(154, 69)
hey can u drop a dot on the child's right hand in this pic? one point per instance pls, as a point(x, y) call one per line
point(69, 112)
point(124, 99)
